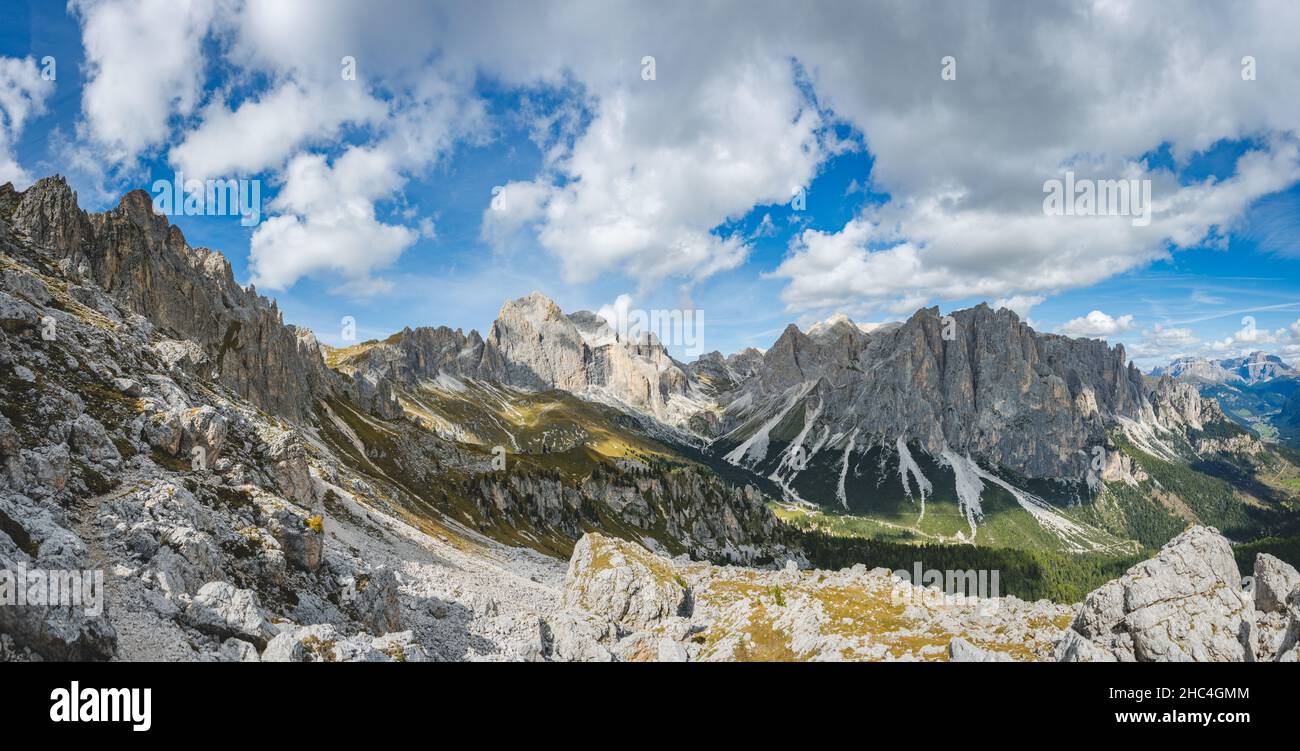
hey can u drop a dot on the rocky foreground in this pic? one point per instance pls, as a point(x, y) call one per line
point(1188, 603)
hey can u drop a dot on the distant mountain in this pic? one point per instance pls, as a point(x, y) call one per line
point(1252, 390)
point(1257, 367)
point(968, 428)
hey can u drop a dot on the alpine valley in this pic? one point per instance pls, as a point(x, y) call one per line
point(556, 490)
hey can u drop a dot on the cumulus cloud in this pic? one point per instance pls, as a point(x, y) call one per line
point(640, 195)
point(640, 175)
point(327, 222)
point(935, 248)
point(1097, 325)
point(1162, 343)
point(22, 95)
point(1020, 304)
point(144, 65)
point(261, 133)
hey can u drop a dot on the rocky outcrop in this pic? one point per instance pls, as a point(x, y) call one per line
point(40, 557)
point(140, 259)
point(325, 643)
point(1184, 605)
point(676, 610)
point(532, 344)
point(635, 591)
point(1275, 582)
point(684, 507)
point(375, 600)
point(221, 609)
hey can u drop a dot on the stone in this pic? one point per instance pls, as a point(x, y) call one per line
point(1275, 580)
point(301, 534)
point(91, 440)
point(671, 651)
point(635, 590)
point(1186, 604)
point(376, 600)
point(1074, 647)
point(221, 609)
point(960, 650)
point(577, 636)
point(238, 650)
point(400, 647)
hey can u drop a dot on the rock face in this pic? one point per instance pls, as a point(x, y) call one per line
point(1275, 581)
point(709, 518)
point(635, 591)
point(221, 609)
point(1184, 605)
point(532, 344)
point(978, 382)
point(137, 257)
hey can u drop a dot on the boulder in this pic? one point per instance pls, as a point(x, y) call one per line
point(1184, 605)
point(301, 534)
point(577, 636)
point(960, 650)
point(287, 455)
point(623, 583)
point(223, 610)
point(90, 439)
point(1076, 648)
point(238, 650)
point(1290, 645)
point(400, 647)
point(325, 643)
point(16, 314)
point(321, 643)
point(671, 651)
point(1275, 580)
point(376, 600)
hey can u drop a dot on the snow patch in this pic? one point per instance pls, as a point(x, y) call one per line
point(907, 466)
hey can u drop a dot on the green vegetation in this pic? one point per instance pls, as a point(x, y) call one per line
point(1027, 574)
point(1285, 548)
point(1213, 501)
point(1135, 514)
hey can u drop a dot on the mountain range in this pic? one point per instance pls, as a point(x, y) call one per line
point(159, 417)
point(1258, 391)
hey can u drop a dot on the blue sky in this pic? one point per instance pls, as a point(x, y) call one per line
point(674, 190)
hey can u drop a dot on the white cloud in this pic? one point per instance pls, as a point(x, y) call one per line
point(22, 95)
point(1162, 343)
point(931, 248)
point(261, 134)
point(639, 174)
point(639, 195)
point(1097, 325)
point(144, 64)
point(327, 223)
